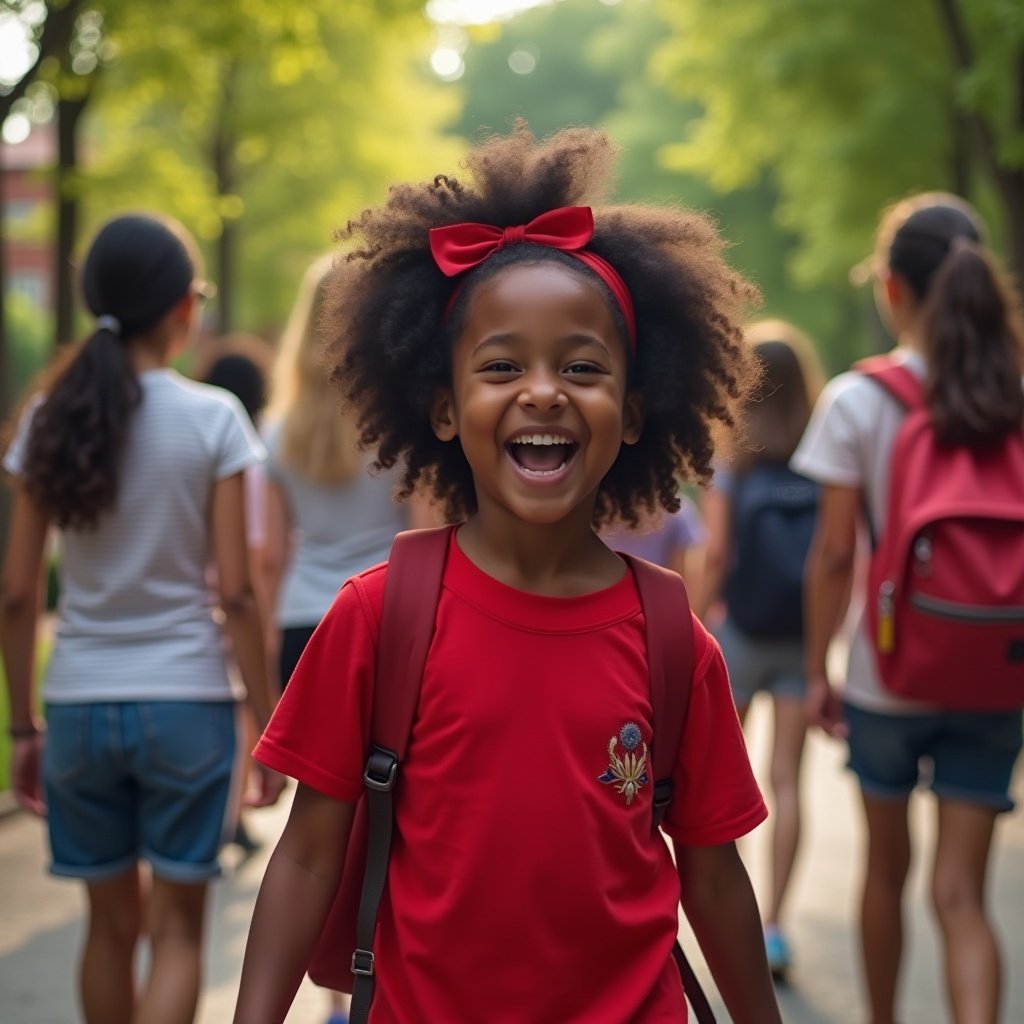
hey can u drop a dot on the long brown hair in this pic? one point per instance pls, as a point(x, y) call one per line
point(319, 439)
point(776, 415)
point(971, 323)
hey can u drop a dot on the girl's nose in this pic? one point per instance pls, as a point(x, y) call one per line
point(542, 391)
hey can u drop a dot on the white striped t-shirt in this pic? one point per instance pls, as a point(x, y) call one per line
point(135, 620)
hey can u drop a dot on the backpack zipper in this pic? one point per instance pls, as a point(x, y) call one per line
point(965, 612)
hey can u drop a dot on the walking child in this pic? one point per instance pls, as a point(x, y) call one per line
point(141, 472)
point(957, 324)
point(760, 517)
point(543, 367)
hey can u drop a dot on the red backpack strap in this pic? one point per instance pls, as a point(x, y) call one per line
point(895, 377)
point(671, 661)
point(412, 589)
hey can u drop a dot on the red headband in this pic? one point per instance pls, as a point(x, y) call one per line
point(457, 248)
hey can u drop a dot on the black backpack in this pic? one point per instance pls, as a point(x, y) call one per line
point(773, 516)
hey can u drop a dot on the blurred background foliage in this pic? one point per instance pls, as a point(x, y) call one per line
point(265, 125)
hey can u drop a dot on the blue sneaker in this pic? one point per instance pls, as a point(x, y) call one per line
point(777, 951)
point(338, 1017)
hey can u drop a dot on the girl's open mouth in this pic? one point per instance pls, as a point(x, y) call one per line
point(542, 455)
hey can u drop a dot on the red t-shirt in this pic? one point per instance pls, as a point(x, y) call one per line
point(523, 885)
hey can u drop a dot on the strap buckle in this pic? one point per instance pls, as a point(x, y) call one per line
point(662, 795)
point(362, 963)
point(661, 798)
point(381, 770)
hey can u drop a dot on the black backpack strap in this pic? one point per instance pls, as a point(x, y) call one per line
point(412, 589)
point(671, 661)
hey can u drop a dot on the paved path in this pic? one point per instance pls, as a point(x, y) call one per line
point(41, 917)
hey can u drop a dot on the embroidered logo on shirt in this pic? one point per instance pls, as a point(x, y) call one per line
point(628, 772)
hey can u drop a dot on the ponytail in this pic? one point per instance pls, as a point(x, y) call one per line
point(137, 268)
point(975, 349)
point(78, 432)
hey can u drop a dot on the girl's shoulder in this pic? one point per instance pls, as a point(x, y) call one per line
point(209, 407)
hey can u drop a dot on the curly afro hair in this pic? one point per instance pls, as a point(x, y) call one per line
point(389, 338)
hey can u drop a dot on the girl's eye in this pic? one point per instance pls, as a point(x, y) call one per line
point(577, 369)
point(499, 366)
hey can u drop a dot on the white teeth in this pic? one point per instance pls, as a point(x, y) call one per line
point(542, 439)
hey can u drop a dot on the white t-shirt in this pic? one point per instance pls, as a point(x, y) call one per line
point(338, 530)
point(135, 620)
point(848, 443)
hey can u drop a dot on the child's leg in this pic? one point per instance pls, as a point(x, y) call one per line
point(787, 754)
point(175, 924)
point(106, 972)
point(339, 1008)
point(958, 893)
point(973, 759)
point(888, 860)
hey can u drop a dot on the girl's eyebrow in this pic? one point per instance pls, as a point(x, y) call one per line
point(571, 340)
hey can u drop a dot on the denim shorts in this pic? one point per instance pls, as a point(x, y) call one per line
point(959, 755)
point(129, 781)
point(775, 667)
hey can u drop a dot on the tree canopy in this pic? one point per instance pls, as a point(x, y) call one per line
point(590, 64)
point(272, 123)
point(276, 121)
point(852, 105)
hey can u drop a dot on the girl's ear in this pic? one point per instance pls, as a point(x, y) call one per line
point(633, 418)
point(185, 308)
point(894, 290)
point(442, 415)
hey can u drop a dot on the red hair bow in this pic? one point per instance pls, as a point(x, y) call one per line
point(457, 248)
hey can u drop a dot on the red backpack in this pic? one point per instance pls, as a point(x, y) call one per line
point(343, 959)
point(946, 582)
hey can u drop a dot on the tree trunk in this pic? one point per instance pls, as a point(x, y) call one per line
point(6, 355)
point(1012, 191)
point(6, 359)
point(960, 158)
point(222, 146)
point(69, 113)
point(1009, 181)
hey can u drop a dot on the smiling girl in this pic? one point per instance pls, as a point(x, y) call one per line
point(543, 367)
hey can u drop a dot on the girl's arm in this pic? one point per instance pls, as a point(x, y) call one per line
point(241, 613)
point(274, 556)
point(720, 905)
point(716, 510)
point(19, 617)
point(827, 580)
point(297, 891)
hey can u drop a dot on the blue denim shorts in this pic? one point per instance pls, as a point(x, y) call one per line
point(959, 755)
point(129, 781)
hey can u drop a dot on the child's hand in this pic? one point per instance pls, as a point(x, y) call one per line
point(824, 708)
point(269, 787)
point(26, 773)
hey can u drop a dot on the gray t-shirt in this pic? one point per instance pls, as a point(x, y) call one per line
point(338, 531)
point(135, 620)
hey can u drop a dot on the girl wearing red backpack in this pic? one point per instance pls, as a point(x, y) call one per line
point(957, 325)
point(543, 367)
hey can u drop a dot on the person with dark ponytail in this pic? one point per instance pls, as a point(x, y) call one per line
point(957, 323)
point(140, 471)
